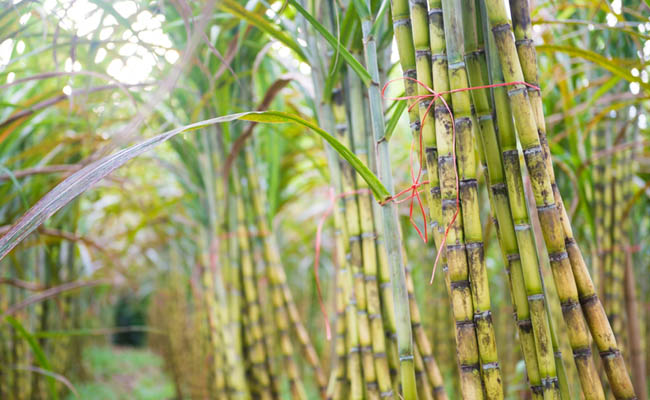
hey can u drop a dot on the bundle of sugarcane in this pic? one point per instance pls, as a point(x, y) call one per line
point(613, 173)
point(436, 40)
point(284, 310)
point(372, 359)
point(261, 378)
point(422, 52)
point(582, 310)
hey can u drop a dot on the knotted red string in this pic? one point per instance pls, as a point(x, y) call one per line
point(415, 178)
point(433, 95)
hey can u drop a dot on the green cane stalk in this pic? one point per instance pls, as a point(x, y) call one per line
point(472, 239)
point(277, 279)
point(616, 313)
point(389, 209)
point(253, 321)
point(514, 229)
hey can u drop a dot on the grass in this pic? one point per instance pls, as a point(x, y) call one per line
point(123, 373)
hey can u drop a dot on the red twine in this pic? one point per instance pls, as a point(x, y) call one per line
point(433, 95)
point(415, 178)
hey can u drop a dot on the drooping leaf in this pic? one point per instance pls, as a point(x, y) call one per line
point(608, 64)
point(88, 176)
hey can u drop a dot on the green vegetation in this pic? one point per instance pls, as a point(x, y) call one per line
point(123, 373)
point(366, 199)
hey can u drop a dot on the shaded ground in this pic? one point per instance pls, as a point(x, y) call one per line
point(123, 373)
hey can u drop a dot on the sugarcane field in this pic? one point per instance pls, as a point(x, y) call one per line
point(324, 199)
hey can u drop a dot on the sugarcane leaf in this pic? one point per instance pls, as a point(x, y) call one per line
point(85, 178)
point(39, 354)
point(394, 119)
point(348, 27)
point(264, 25)
point(604, 62)
point(49, 374)
point(362, 8)
point(605, 88)
point(336, 45)
point(379, 18)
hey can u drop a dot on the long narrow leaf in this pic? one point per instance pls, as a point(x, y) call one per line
point(264, 25)
point(336, 45)
point(88, 176)
point(604, 62)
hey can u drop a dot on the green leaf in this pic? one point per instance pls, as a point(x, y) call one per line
point(348, 27)
point(336, 45)
point(362, 8)
point(379, 18)
point(604, 62)
point(394, 119)
point(264, 25)
point(39, 354)
point(88, 176)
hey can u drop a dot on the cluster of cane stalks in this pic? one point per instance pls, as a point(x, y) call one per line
point(370, 361)
point(17, 344)
point(452, 45)
point(367, 362)
point(612, 191)
point(253, 328)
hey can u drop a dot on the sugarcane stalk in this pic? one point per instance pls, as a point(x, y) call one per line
point(429, 366)
point(472, 239)
point(232, 272)
point(515, 232)
point(339, 383)
point(616, 313)
point(368, 235)
point(608, 214)
point(637, 363)
point(389, 209)
point(277, 280)
point(424, 389)
point(254, 336)
point(357, 261)
point(569, 270)
point(598, 176)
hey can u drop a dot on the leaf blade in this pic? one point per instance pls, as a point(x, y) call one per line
point(336, 45)
point(85, 178)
